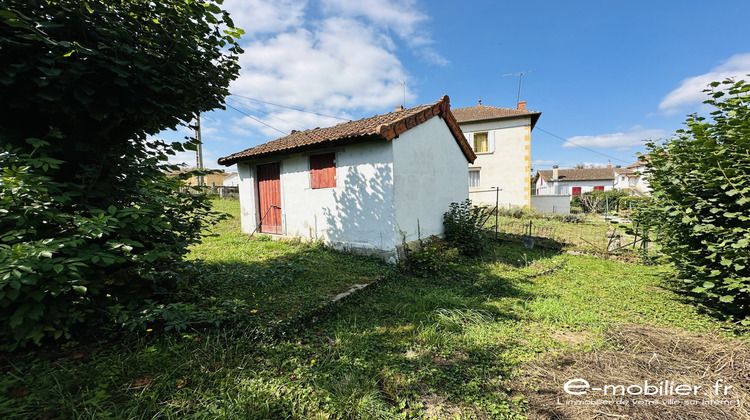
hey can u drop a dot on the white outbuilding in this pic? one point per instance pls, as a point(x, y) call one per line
point(364, 186)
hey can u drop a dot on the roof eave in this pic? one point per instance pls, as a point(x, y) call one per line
point(231, 160)
point(534, 115)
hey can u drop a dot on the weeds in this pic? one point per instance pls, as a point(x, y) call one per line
point(433, 346)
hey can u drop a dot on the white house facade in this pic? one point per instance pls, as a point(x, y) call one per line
point(574, 182)
point(638, 180)
point(501, 139)
point(365, 186)
point(233, 180)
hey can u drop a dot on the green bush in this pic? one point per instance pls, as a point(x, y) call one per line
point(627, 203)
point(428, 257)
point(701, 207)
point(463, 228)
point(88, 218)
point(62, 261)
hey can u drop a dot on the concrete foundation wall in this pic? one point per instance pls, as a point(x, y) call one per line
point(557, 204)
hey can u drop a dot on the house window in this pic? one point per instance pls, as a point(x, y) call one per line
point(576, 190)
point(323, 171)
point(599, 188)
point(474, 178)
point(481, 143)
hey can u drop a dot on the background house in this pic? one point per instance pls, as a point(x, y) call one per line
point(574, 181)
point(233, 180)
point(501, 139)
point(638, 177)
point(364, 186)
point(633, 179)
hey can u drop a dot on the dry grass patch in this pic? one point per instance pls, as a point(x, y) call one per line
point(646, 358)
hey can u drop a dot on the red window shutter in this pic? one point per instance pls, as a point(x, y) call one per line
point(599, 188)
point(323, 171)
point(576, 190)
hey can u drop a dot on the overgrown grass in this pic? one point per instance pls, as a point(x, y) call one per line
point(441, 346)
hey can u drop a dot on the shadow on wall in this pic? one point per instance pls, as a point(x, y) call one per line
point(363, 219)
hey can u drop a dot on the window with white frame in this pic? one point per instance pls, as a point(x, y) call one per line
point(481, 143)
point(473, 178)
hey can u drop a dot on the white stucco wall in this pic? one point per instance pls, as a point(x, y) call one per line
point(248, 197)
point(357, 214)
point(231, 181)
point(556, 204)
point(383, 190)
point(430, 173)
point(566, 187)
point(508, 166)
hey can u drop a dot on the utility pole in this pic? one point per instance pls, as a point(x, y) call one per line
point(199, 150)
point(497, 208)
point(520, 79)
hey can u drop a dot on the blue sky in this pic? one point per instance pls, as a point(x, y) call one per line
point(607, 75)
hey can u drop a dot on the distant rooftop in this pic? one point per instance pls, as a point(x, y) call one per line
point(484, 112)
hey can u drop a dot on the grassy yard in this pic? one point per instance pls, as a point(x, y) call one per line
point(479, 340)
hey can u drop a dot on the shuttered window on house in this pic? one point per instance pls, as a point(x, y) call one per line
point(323, 170)
point(474, 178)
point(481, 143)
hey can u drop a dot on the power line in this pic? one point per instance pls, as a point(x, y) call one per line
point(256, 119)
point(578, 145)
point(293, 109)
point(268, 113)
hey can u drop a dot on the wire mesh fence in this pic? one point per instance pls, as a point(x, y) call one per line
point(585, 233)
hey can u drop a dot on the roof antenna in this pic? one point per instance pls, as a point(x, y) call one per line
point(520, 79)
point(403, 83)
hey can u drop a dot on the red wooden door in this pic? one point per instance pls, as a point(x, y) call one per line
point(269, 198)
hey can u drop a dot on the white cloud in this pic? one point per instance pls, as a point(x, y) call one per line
point(636, 136)
point(402, 17)
point(333, 57)
point(338, 65)
point(691, 89)
point(538, 163)
point(263, 16)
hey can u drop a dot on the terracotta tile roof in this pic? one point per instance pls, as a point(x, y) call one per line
point(647, 158)
point(483, 112)
point(567, 175)
point(379, 127)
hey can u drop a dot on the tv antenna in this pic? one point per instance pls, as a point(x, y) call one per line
point(520, 79)
point(403, 84)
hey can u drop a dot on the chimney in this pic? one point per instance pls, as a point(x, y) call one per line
point(555, 173)
point(609, 164)
point(522, 105)
point(399, 107)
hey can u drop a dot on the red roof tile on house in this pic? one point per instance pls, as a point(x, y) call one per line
point(379, 127)
point(595, 174)
point(483, 112)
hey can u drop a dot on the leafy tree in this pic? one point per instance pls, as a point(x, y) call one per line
point(88, 219)
point(701, 189)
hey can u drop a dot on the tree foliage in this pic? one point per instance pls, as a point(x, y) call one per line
point(88, 219)
point(701, 189)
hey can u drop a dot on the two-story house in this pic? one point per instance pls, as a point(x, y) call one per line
point(501, 139)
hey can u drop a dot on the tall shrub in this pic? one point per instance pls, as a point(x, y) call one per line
point(463, 227)
point(88, 219)
point(701, 188)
